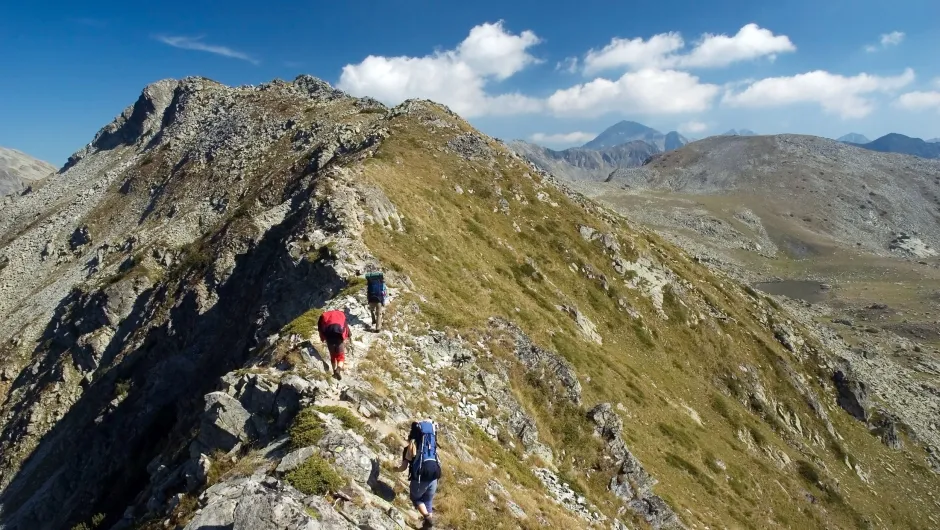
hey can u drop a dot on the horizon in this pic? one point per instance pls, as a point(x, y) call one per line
point(556, 74)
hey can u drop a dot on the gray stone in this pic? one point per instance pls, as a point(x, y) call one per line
point(295, 458)
point(225, 422)
point(852, 394)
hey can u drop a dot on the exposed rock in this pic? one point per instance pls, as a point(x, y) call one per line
point(225, 423)
point(585, 326)
point(852, 394)
point(259, 503)
point(543, 364)
point(295, 458)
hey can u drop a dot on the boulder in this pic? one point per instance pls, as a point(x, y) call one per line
point(295, 458)
point(852, 394)
point(225, 422)
point(259, 503)
point(609, 425)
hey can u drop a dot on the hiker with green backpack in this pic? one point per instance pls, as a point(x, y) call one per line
point(377, 296)
point(419, 457)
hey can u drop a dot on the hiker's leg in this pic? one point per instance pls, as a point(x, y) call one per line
point(429, 496)
point(378, 316)
point(417, 492)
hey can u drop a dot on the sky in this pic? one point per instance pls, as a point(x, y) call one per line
point(552, 72)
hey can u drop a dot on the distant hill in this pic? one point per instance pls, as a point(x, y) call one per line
point(630, 131)
point(898, 143)
point(739, 132)
point(17, 170)
point(933, 141)
point(854, 138)
point(579, 163)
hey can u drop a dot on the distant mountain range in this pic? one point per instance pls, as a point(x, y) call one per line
point(622, 145)
point(933, 141)
point(630, 131)
point(854, 138)
point(739, 132)
point(898, 143)
point(18, 170)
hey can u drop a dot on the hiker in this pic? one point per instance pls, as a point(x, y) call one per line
point(419, 457)
point(334, 331)
point(377, 295)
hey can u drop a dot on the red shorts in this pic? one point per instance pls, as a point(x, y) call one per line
point(337, 351)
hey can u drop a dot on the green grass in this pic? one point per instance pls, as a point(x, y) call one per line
point(304, 325)
point(347, 417)
point(316, 476)
point(307, 429)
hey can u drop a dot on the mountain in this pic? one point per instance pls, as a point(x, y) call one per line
point(631, 131)
point(854, 138)
point(934, 141)
point(579, 163)
point(160, 366)
point(898, 143)
point(739, 132)
point(18, 170)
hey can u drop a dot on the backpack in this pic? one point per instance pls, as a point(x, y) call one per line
point(375, 287)
point(425, 466)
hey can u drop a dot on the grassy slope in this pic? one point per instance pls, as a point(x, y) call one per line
point(469, 262)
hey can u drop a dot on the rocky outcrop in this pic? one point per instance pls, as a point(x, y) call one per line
point(852, 394)
point(261, 502)
point(632, 484)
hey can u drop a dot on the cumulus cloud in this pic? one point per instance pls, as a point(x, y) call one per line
point(648, 91)
point(571, 138)
point(836, 94)
point(886, 41)
point(692, 127)
point(457, 78)
point(196, 43)
point(570, 65)
point(710, 51)
point(919, 101)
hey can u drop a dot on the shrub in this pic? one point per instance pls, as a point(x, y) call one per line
point(307, 429)
point(345, 416)
point(315, 477)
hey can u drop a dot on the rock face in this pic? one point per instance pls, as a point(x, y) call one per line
point(19, 170)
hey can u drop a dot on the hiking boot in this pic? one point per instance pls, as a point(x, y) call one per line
point(338, 374)
point(428, 522)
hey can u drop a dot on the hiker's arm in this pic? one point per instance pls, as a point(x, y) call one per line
point(403, 466)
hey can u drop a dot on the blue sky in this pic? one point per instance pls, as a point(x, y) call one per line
point(548, 70)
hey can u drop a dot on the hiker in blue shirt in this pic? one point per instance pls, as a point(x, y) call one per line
point(377, 295)
point(419, 457)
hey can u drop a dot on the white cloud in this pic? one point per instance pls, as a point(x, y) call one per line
point(692, 127)
point(837, 94)
point(919, 101)
point(633, 53)
point(195, 43)
point(571, 138)
point(456, 78)
point(570, 65)
point(647, 91)
point(887, 40)
point(751, 42)
point(711, 51)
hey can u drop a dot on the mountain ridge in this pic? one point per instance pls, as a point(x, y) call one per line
point(158, 340)
point(899, 143)
point(18, 170)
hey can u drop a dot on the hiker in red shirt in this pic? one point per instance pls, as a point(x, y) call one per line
point(334, 331)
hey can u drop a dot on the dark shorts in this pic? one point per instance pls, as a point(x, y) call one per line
point(337, 351)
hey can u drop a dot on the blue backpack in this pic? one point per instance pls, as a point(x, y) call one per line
point(375, 288)
point(425, 467)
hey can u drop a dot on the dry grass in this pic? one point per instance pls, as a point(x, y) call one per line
point(471, 264)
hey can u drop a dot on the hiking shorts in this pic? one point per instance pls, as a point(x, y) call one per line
point(337, 351)
point(422, 493)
